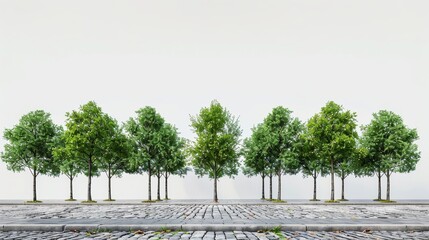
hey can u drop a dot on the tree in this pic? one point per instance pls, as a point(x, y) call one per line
point(215, 151)
point(173, 153)
point(255, 154)
point(67, 160)
point(284, 131)
point(391, 145)
point(30, 144)
point(334, 132)
point(310, 161)
point(88, 130)
point(144, 133)
point(116, 158)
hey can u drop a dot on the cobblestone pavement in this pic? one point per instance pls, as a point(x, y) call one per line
point(200, 213)
point(203, 235)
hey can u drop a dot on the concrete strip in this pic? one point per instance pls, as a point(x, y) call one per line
point(417, 227)
point(34, 227)
point(143, 227)
point(81, 227)
point(214, 227)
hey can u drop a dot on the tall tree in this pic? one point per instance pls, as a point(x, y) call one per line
point(334, 131)
point(255, 154)
point(310, 161)
point(88, 130)
point(284, 131)
point(67, 160)
point(144, 133)
point(173, 152)
point(117, 155)
point(30, 144)
point(215, 151)
point(391, 144)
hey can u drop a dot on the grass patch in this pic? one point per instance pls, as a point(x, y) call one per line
point(387, 201)
point(314, 200)
point(332, 201)
point(33, 202)
point(109, 200)
point(342, 200)
point(70, 200)
point(278, 232)
point(88, 202)
point(276, 201)
point(378, 200)
point(149, 201)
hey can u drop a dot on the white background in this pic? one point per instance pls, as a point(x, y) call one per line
point(250, 55)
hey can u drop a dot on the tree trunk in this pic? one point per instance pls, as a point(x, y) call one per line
point(332, 181)
point(110, 189)
point(379, 185)
point(314, 187)
point(89, 198)
point(263, 186)
point(158, 193)
point(388, 186)
point(149, 197)
point(342, 188)
point(166, 186)
point(271, 186)
point(279, 191)
point(215, 199)
point(34, 187)
point(71, 188)
point(109, 178)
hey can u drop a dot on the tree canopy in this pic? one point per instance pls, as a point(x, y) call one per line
point(30, 145)
point(215, 152)
point(390, 145)
point(334, 132)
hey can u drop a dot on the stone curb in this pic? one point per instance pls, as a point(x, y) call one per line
point(213, 227)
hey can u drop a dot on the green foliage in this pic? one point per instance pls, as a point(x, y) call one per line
point(283, 138)
point(334, 135)
point(88, 130)
point(144, 133)
point(172, 151)
point(86, 139)
point(30, 144)
point(215, 151)
point(311, 162)
point(255, 152)
point(390, 144)
point(117, 152)
point(66, 159)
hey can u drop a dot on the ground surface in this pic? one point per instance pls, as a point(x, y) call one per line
point(203, 220)
point(203, 235)
point(214, 214)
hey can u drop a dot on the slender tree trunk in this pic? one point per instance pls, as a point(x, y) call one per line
point(332, 181)
point(109, 179)
point(342, 188)
point(158, 194)
point(279, 191)
point(71, 188)
point(379, 185)
point(314, 186)
point(110, 189)
point(271, 186)
point(166, 186)
point(388, 186)
point(34, 186)
point(89, 198)
point(263, 186)
point(149, 197)
point(215, 199)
